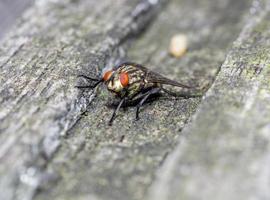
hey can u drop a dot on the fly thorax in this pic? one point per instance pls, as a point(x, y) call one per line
point(115, 85)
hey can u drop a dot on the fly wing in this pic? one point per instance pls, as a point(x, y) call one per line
point(153, 77)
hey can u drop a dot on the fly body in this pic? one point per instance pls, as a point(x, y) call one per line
point(130, 81)
point(127, 80)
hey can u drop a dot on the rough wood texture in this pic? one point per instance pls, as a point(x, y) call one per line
point(10, 11)
point(225, 154)
point(39, 63)
point(55, 142)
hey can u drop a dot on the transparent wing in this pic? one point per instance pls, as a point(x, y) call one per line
point(154, 77)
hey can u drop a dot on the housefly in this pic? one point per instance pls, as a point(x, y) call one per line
point(131, 81)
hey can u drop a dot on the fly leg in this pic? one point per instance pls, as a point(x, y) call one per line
point(87, 77)
point(145, 96)
point(116, 111)
point(98, 81)
point(89, 86)
point(182, 94)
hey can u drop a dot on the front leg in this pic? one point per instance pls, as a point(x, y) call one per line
point(116, 110)
point(97, 82)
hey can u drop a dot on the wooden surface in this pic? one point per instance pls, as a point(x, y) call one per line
point(10, 11)
point(55, 142)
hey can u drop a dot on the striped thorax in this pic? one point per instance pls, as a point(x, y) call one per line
point(127, 80)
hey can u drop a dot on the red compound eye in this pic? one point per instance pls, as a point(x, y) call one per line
point(124, 79)
point(107, 75)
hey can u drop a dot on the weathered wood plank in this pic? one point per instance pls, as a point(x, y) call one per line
point(225, 154)
point(106, 166)
point(40, 110)
point(10, 11)
point(39, 62)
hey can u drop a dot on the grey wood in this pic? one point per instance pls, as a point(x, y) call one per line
point(225, 154)
point(10, 11)
point(54, 139)
point(40, 58)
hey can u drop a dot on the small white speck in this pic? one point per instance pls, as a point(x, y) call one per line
point(153, 1)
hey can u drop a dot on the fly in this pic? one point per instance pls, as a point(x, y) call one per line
point(131, 81)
